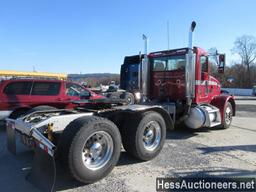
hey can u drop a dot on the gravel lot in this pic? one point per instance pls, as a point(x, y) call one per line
point(230, 152)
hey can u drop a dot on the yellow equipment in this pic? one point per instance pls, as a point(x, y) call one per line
point(18, 74)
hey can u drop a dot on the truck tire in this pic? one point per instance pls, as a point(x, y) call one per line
point(90, 148)
point(40, 108)
point(144, 138)
point(228, 114)
point(129, 97)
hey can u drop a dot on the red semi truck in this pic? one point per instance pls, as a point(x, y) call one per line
point(191, 96)
point(180, 81)
point(176, 88)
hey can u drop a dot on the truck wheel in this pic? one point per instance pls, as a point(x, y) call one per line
point(90, 147)
point(144, 139)
point(129, 97)
point(228, 114)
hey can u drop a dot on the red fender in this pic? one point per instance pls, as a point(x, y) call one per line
point(221, 102)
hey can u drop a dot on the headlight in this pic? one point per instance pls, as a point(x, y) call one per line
point(137, 95)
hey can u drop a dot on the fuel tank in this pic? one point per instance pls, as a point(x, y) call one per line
point(203, 116)
point(196, 118)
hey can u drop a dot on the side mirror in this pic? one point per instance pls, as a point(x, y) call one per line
point(221, 63)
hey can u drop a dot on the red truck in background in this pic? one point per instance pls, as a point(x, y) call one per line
point(18, 96)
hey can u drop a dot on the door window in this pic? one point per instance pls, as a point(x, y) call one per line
point(18, 88)
point(73, 89)
point(204, 64)
point(204, 73)
point(46, 88)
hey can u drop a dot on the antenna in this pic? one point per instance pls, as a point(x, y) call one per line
point(168, 35)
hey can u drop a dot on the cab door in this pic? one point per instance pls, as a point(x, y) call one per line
point(204, 83)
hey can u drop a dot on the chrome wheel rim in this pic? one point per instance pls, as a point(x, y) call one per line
point(228, 115)
point(97, 150)
point(129, 100)
point(151, 135)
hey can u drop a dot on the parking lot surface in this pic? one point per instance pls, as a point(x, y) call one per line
point(207, 152)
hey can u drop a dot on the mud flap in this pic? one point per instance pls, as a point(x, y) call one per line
point(43, 172)
point(11, 138)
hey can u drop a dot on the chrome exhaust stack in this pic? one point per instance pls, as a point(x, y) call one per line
point(139, 71)
point(190, 69)
point(191, 35)
point(145, 71)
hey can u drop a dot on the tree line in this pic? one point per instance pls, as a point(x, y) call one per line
point(94, 80)
point(241, 74)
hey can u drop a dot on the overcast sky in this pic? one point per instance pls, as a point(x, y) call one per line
point(94, 36)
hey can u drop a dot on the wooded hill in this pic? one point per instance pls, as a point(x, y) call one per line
point(95, 79)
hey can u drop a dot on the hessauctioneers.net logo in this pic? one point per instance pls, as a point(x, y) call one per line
point(206, 184)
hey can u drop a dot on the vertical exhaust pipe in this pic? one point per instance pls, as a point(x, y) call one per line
point(139, 71)
point(191, 35)
point(190, 69)
point(145, 73)
point(145, 38)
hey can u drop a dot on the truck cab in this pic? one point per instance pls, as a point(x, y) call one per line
point(129, 79)
point(181, 80)
point(168, 76)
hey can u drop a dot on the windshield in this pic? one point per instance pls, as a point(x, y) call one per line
point(73, 89)
point(169, 63)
